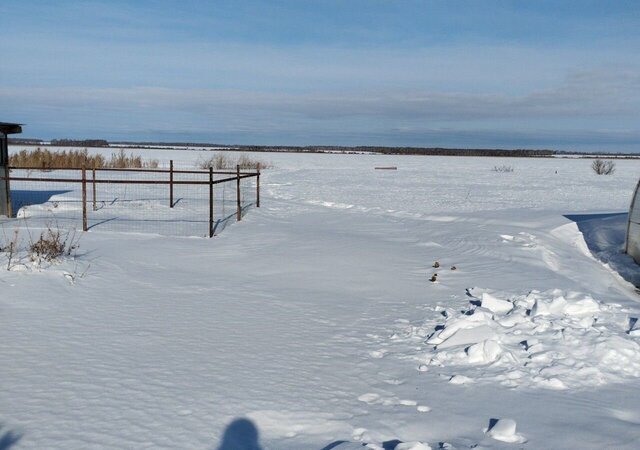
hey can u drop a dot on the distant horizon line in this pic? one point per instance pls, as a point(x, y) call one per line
point(309, 148)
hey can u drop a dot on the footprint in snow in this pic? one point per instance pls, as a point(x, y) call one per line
point(372, 398)
point(460, 379)
point(523, 239)
point(369, 398)
point(394, 381)
point(358, 433)
point(408, 403)
point(377, 354)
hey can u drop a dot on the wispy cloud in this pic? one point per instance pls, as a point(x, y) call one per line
point(602, 92)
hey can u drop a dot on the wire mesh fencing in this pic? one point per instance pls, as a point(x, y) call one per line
point(162, 201)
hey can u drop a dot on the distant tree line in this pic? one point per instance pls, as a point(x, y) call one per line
point(358, 149)
point(166, 144)
point(402, 150)
point(80, 143)
point(24, 141)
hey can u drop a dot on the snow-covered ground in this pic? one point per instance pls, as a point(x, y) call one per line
point(313, 323)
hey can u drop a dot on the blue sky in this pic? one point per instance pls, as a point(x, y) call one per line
point(508, 74)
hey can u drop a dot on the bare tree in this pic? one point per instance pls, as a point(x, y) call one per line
point(602, 167)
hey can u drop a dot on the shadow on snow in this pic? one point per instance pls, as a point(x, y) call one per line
point(8, 438)
point(605, 236)
point(242, 434)
point(21, 198)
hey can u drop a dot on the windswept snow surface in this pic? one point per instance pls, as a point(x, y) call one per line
point(312, 324)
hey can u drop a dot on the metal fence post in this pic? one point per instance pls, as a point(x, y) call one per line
point(93, 186)
point(239, 213)
point(84, 199)
point(258, 186)
point(8, 190)
point(171, 183)
point(210, 201)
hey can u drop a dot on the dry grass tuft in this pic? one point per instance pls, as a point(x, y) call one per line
point(48, 247)
point(222, 161)
point(10, 247)
point(73, 159)
point(53, 244)
point(121, 160)
point(245, 162)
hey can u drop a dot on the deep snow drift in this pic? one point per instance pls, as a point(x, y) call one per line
point(312, 324)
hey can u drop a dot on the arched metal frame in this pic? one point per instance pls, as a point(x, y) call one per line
point(632, 242)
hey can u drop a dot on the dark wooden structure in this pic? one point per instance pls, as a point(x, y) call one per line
point(5, 188)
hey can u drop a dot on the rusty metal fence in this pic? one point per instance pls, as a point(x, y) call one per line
point(165, 201)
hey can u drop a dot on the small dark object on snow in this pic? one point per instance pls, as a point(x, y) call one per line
point(433, 278)
point(436, 264)
point(454, 268)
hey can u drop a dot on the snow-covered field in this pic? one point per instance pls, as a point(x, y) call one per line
point(313, 323)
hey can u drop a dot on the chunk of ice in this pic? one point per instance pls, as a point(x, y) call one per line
point(468, 336)
point(413, 446)
point(504, 430)
point(484, 352)
point(495, 304)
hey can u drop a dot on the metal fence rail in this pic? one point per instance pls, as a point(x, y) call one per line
point(133, 199)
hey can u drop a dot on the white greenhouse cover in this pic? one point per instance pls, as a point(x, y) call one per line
point(633, 228)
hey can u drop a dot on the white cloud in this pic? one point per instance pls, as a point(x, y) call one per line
point(597, 93)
